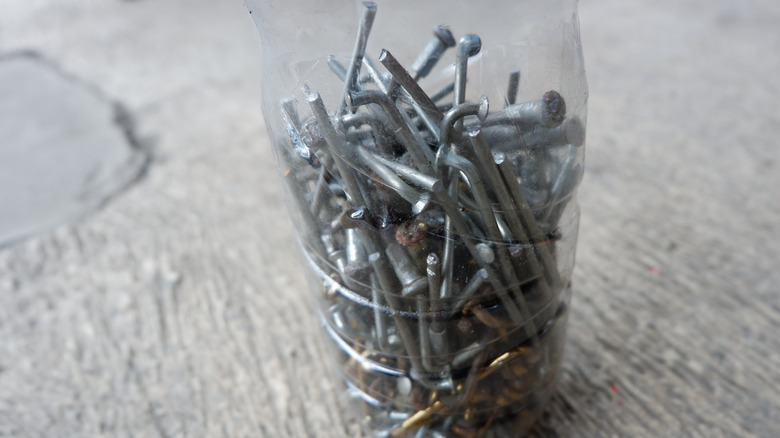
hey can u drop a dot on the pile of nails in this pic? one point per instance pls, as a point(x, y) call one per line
point(440, 282)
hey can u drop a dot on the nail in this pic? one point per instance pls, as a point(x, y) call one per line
point(565, 182)
point(320, 188)
point(288, 106)
point(354, 247)
point(388, 285)
point(364, 28)
point(419, 201)
point(349, 123)
point(411, 281)
point(469, 170)
point(506, 233)
point(468, 46)
point(335, 142)
point(526, 216)
point(427, 106)
point(460, 111)
point(291, 121)
point(309, 220)
point(441, 41)
point(337, 317)
point(485, 253)
point(433, 272)
point(467, 354)
point(548, 111)
point(494, 179)
point(445, 158)
point(356, 268)
point(418, 419)
point(412, 175)
point(422, 333)
point(572, 132)
point(421, 432)
point(409, 137)
point(375, 76)
point(518, 223)
point(379, 318)
point(511, 140)
point(449, 238)
point(444, 92)
point(375, 117)
point(337, 67)
point(511, 89)
point(474, 284)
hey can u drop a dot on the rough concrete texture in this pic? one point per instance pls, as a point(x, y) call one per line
point(178, 309)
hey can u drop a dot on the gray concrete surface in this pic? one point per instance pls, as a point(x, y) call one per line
point(177, 308)
point(65, 148)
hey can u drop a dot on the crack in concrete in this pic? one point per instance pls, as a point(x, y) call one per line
point(63, 163)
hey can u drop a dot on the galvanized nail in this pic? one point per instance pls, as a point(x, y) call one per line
point(468, 46)
point(511, 89)
point(548, 111)
point(364, 29)
point(441, 41)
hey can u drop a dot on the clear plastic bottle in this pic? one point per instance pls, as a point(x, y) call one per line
point(431, 153)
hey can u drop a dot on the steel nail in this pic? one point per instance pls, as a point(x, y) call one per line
point(320, 188)
point(572, 132)
point(449, 238)
point(467, 354)
point(412, 282)
point(444, 92)
point(527, 218)
point(421, 432)
point(460, 111)
point(375, 76)
point(413, 175)
point(427, 59)
point(474, 284)
point(291, 121)
point(354, 247)
point(375, 118)
point(485, 253)
point(494, 179)
point(410, 138)
point(364, 28)
point(426, 105)
point(509, 139)
point(288, 106)
point(357, 267)
point(441, 41)
point(380, 326)
point(387, 283)
point(433, 272)
point(517, 309)
point(309, 220)
point(444, 158)
point(468, 46)
point(337, 67)
point(419, 201)
point(548, 111)
point(565, 182)
point(335, 142)
point(511, 89)
point(422, 334)
point(518, 223)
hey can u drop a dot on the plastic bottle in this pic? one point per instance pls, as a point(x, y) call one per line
point(431, 153)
